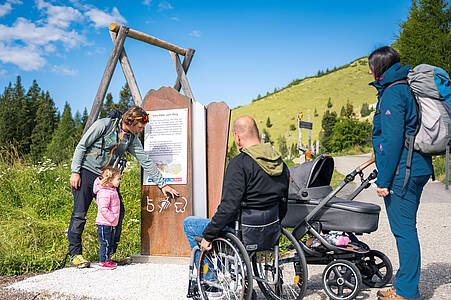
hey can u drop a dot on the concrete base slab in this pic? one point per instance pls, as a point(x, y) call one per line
point(156, 259)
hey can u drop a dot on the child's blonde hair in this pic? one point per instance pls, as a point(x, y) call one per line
point(108, 174)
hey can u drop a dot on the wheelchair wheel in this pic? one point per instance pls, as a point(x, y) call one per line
point(342, 280)
point(291, 281)
point(376, 269)
point(225, 270)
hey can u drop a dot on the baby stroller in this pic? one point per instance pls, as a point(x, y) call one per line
point(314, 211)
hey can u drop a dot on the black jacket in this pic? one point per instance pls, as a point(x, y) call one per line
point(246, 184)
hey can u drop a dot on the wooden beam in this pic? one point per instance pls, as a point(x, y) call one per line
point(186, 63)
point(106, 79)
point(128, 73)
point(149, 39)
point(181, 73)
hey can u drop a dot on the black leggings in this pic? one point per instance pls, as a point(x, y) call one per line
point(82, 199)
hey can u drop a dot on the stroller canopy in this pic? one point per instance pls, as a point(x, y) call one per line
point(313, 173)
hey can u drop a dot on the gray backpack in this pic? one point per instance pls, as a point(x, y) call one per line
point(431, 87)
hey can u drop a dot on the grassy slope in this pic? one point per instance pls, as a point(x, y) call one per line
point(350, 83)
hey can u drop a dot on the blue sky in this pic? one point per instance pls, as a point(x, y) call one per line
point(243, 48)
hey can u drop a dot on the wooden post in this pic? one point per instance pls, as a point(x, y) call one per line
point(218, 120)
point(447, 166)
point(186, 63)
point(317, 147)
point(309, 135)
point(300, 137)
point(263, 139)
point(128, 73)
point(106, 79)
point(143, 37)
point(181, 73)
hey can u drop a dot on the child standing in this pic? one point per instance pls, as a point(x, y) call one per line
point(108, 204)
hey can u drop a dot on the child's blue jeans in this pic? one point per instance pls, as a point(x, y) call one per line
point(106, 238)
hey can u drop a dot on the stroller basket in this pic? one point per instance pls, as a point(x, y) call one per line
point(310, 184)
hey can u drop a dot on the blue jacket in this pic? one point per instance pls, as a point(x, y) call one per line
point(396, 115)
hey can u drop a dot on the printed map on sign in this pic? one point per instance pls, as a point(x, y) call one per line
point(166, 143)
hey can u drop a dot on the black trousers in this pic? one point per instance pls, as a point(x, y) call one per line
point(82, 199)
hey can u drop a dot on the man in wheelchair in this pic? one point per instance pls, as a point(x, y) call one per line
point(255, 187)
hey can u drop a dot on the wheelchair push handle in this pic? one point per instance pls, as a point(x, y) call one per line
point(198, 238)
point(366, 164)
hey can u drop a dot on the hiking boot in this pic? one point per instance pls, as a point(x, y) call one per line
point(108, 265)
point(79, 261)
point(122, 262)
point(386, 292)
point(393, 296)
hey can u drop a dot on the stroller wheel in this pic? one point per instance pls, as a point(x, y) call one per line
point(342, 280)
point(376, 269)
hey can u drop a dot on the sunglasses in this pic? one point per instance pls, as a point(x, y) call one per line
point(144, 119)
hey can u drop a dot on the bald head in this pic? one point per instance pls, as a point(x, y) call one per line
point(245, 129)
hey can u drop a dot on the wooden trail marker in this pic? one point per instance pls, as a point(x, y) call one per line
point(162, 228)
point(218, 121)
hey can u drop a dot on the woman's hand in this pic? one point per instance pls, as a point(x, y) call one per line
point(382, 192)
point(168, 190)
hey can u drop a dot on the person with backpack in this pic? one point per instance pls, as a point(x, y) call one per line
point(395, 119)
point(102, 146)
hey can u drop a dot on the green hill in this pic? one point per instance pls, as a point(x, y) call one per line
point(348, 83)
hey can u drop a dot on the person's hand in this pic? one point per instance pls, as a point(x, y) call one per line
point(206, 245)
point(75, 180)
point(382, 192)
point(168, 190)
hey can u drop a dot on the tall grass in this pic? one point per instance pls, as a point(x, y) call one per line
point(35, 207)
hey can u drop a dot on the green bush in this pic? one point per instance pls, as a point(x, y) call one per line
point(35, 208)
point(349, 133)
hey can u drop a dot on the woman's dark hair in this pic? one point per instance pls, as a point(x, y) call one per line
point(134, 115)
point(382, 59)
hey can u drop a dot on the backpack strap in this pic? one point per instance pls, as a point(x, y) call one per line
point(108, 130)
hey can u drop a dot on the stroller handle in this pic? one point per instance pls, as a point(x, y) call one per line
point(365, 164)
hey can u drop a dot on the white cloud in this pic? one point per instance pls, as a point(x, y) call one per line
point(3, 72)
point(27, 58)
point(175, 19)
point(64, 70)
point(6, 7)
point(103, 19)
point(146, 2)
point(195, 33)
point(30, 34)
point(164, 5)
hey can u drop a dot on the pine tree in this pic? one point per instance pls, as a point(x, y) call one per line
point(125, 100)
point(7, 118)
point(283, 148)
point(329, 103)
point(327, 132)
point(268, 123)
point(46, 120)
point(64, 138)
point(365, 110)
point(84, 118)
point(315, 114)
point(30, 108)
point(425, 36)
point(107, 106)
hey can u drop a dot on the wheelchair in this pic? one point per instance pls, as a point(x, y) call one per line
point(229, 269)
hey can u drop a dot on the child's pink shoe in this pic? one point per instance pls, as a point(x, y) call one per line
point(108, 265)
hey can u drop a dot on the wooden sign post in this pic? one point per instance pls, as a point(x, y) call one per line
point(162, 218)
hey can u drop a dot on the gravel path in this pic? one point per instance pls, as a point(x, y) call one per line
point(169, 281)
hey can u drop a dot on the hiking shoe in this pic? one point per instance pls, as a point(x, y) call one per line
point(122, 262)
point(79, 262)
point(393, 296)
point(108, 265)
point(386, 292)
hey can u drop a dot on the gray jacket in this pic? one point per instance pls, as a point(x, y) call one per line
point(89, 153)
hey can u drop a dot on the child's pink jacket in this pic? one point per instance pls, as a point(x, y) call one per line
point(108, 204)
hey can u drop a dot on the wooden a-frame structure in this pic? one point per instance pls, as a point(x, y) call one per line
point(118, 35)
